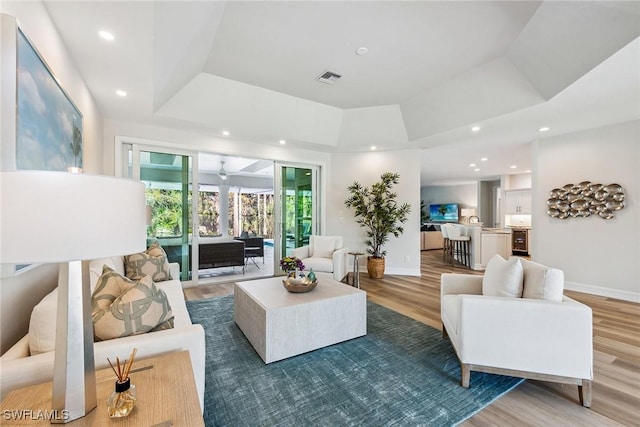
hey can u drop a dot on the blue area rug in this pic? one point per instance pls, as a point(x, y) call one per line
point(401, 373)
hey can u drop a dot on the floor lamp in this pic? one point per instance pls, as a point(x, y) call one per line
point(66, 218)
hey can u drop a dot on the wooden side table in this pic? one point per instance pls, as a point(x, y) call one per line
point(167, 396)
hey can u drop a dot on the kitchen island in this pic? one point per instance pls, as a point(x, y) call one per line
point(485, 243)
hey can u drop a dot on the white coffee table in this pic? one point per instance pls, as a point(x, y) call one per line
point(280, 324)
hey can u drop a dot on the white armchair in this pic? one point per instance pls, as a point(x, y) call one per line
point(530, 337)
point(324, 254)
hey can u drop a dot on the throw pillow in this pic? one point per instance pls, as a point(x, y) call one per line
point(122, 307)
point(42, 325)
point(542, 282)
point(96, 266)
point(502, 278)
point(323, 246)
point(109, 286)
point(153, 262)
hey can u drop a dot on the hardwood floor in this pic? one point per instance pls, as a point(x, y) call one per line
point(616, 327)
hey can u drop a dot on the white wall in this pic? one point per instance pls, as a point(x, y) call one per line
point(403, 253)
point(340, 170)
point(598, 256)
point(517, 181)
point(18, 294)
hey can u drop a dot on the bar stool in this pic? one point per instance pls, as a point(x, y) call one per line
point(459, 245)
point(445, 243)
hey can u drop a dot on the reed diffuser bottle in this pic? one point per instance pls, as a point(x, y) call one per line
point(123, 398)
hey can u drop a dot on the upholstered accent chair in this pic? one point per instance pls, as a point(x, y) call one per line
point(518, 323)
point(324, 254)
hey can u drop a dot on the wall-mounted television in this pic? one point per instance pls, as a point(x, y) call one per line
point(446, 212)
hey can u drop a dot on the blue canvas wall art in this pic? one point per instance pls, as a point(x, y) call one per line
point(49, 126)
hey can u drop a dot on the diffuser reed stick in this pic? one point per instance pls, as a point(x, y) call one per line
point(122, 371)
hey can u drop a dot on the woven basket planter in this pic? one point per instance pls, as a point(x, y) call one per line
point(375, 267)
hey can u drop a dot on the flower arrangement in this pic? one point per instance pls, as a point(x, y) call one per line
point(290, 263)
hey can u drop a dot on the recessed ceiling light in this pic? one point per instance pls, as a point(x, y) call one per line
point(484, 159)
point(373, 147)
point(528, 171)
point(473, 165)
point(513, 166)
point(106, 35)
point(226, 133)
point(475, 128)
point(543, 129)
point(282, 142)
point(476, 170)
point(361, 51)
point(121, 93)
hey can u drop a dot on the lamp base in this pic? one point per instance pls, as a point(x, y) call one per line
point(74, 377)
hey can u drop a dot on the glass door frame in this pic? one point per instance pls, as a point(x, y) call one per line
point(138, 145)
point(279, 187)
point(317, 179)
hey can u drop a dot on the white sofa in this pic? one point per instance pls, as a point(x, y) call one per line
point(525, 337)
point(324, 254)
point(19, 368)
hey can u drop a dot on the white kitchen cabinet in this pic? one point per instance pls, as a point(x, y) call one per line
point(518, 202)
point(495, 243)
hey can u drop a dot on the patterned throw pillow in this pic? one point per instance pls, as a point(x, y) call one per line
point(122, 307)
point(153, 262)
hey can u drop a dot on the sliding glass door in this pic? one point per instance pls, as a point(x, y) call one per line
point(196, 198)
point(168, 178)
point(298, 206)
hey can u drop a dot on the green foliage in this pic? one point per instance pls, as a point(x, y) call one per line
point(166, 206)
point(208, 207)
point(377, 210)
point(424, 212)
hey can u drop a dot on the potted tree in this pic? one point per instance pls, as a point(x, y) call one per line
point(377, 210)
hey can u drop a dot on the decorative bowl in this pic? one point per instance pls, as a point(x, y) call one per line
point(299, 285)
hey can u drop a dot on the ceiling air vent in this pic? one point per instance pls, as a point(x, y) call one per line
point(328, 77)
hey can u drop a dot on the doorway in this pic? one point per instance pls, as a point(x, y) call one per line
point(202, 198)
point(298, 206)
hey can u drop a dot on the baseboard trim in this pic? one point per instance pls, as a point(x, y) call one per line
point(402, 271)
point(603, 292)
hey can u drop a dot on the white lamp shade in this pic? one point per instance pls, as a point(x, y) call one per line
point(49, 217)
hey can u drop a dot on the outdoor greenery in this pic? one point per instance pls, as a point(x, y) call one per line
point(208, 203)
point(166, 208)
point(166, 218)
point(377, 210)
point(424, 212)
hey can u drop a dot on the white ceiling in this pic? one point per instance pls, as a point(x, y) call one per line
point(433, 70)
